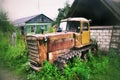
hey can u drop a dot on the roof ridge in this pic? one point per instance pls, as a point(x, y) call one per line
point(25, 17)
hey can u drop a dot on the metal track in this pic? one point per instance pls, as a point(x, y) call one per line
point(62, 60)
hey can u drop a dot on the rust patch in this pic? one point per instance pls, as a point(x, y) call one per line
point(42, 52)
point(61, 44)
point(53, 55)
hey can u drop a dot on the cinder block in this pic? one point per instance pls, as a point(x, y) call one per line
point(105, 31)
point(106, 43)
point(110, 31)
point(93, 31)
point(98, 31)
point(108, 40)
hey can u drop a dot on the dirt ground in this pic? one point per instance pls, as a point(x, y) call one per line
point(6, 74)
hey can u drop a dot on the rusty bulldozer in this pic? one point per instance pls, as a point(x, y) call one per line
point(59, 47)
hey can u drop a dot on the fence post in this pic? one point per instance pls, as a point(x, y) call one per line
point(13, 39)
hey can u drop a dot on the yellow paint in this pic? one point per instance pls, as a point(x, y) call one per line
point(85, 37)
point(78, 39)
point(54, 28)
point(82, 38)
point(85, 34)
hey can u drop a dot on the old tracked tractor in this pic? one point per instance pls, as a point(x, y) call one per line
point(59, 47)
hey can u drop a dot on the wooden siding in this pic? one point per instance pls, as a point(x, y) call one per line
point(37, 27)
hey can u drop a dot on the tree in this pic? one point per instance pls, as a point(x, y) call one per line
point(62, 14)
point(5, 24)
point(3, 15)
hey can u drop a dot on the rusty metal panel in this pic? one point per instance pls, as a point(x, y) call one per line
point(62, 35)
point(39, 49)
point(61, 44)
point(42, 51)
point(78, 41)
point(53, 55)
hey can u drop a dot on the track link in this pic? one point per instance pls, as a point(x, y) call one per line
point(62, 60)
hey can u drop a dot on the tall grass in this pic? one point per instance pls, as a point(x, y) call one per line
point(96, 68)
point(75, 70)
point(13, 57)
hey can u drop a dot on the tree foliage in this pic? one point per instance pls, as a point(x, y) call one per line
point(5, 24)
point(62, 13)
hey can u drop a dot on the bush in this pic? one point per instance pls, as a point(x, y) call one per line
point(5, 24)
point(75, 70)
point(15, 58)
point(50, 30)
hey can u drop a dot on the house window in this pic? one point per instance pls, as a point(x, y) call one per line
point(44, 27)
point(22, 30)
point(33, 28)
point(42, 19)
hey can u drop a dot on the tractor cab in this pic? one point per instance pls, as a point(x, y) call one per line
point(80, 27)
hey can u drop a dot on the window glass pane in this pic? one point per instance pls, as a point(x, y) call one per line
point(73, 26)
point(63, 25)
point(85, 26)
point(33, 29)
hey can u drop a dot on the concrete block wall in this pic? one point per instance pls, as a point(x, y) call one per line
point(102, 34)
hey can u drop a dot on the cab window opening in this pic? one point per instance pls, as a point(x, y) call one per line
point(85, 26)
point(73, 26)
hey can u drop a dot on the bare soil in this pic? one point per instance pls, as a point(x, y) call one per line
point(6, 74)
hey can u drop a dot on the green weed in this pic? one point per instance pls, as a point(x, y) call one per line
point(96, 68)
point(76, 69)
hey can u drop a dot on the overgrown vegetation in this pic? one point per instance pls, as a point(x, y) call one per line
point(5, 24)
point(15, 59)
point(75, 70)
point(97, 68)
point(11, 57)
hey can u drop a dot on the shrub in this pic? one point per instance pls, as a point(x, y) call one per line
point(75, 70)
point(15, 58)
point(50, 30)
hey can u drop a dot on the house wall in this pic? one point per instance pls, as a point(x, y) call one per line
point(37, 27)
point(102, 34)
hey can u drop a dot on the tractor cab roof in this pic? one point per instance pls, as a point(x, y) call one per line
point(76, 19)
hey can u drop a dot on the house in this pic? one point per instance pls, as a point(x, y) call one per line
point(101, 12)
point(105, 16)
point(33, 24)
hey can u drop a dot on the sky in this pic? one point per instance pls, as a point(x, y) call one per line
point(23, 8)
